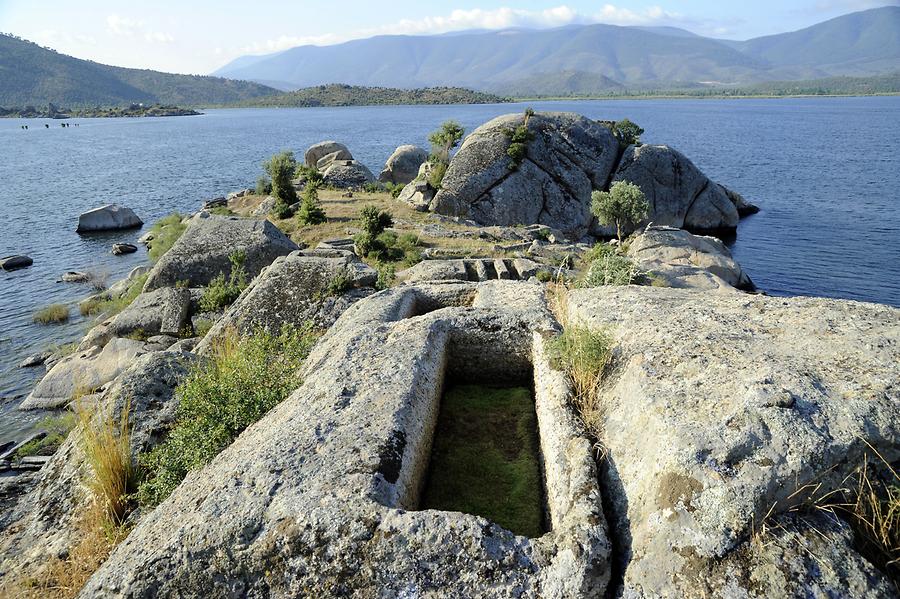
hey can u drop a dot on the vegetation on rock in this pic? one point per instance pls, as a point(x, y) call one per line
point(627, 132)
point(222, 292)
point(110, 306)
point(606, 266)
point(519, 138)
point(57, 428)
point(485, 458)
point(245, 378)
point(443, 141)
point(166, 232)
point(623, 205)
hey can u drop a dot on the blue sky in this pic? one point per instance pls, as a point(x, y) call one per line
point(202, 35)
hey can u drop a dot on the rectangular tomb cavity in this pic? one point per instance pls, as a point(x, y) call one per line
point(485, 458)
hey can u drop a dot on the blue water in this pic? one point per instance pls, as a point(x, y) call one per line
point(826, 173)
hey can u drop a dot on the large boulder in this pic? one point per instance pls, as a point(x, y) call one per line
point(83, 372)
point(318, 151)
point(108, 218)
point(325, 161)
point(346, 174)
point(678, 193)
point(419, 193)
point(299, 289)
point(163, 311)
point(43, 525)
point(567, 158)
point(722, 414)
point(677, 258)
point(403, 165)
point(202, 251)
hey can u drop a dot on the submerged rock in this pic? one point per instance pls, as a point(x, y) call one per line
point(15, 262)
point(108, 218)
point(403, 165)
point(120, 249)
point(203, 250)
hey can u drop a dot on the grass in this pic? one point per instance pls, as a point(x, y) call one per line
point(57, 428)
point(166, 232)
point(485, 458)
point(114, 305)
point(245, 378)
point(52, 314)
point(607, 267)
point(202, 327)
point(222, 292)
point(222, 211)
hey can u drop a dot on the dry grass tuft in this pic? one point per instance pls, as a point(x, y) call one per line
point(53, 313)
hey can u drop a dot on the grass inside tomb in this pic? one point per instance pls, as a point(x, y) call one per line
point(485, 458)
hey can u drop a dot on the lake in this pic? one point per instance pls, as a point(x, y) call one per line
point(825, 171)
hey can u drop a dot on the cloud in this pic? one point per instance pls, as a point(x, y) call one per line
point(126, 27)
point(499, 18)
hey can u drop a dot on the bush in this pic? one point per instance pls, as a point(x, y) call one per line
point(202, 327)
point(280, 169)
point(263, 186)
point(374, 221)
point(374, 187)
point(222, 211)
point(627, 132)
point(394, 189)
point(443, 141)
point(519, 138)
point(310, 212)
point(221, 292)
point(54, 313)
point(244, 379)
point(612, 269)
point(436, 175)
point(166, 232)
point(309, 175)
point(387, 274)
point(339, 285)
point(623, 205)
point(282, 211)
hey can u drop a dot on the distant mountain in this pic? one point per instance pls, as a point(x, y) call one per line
point(581, 57)
point(32, 75)
point(351, 95)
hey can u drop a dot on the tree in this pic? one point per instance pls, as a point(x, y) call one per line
point(442, 143)
point(280, 169)
point(629, 133)
point(623, 205)
point(310, 212)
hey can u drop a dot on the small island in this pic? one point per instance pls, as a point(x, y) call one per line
point(337, 94)
point(132, 110)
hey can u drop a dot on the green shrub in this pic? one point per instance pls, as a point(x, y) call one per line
point(309, 175)
point(222, 211)
point(54, 313)
point(442, 143)
point(202, 327)
point(222, 292)
point(519, 138)
point(608, 267)
point(166, 232)
point(627, 132)
point(374, 187)
point(282, 211)
point(280, 169)
point(436, 175)
point(623, 205)
point(387, 274)
point(310, 212)
point(263, 186)
point(374, 221)
point(339, 285)
point(394, 189)
point(544, 276)
point(57, 428)
point(244, 379)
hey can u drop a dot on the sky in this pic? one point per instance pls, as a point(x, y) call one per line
point(200, 36)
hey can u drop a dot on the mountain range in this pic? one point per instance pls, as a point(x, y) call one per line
point(31, 74)
point(587, 58)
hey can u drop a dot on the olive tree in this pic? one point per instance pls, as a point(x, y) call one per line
point(623, 205)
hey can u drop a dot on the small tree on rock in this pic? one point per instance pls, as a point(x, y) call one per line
point(623, 205)
point(280, 169)
point(628, 133)
point(442, 143)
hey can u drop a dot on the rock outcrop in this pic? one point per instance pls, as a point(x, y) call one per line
point(472, 269)
point(325, 161)
point(298, 289)
point(347, 174)
point(108, 218)
point(678, 193)
point(323, 492)
point(318, 151)
point(403, 165)
point(42, 526)
point(419, 193)
point(203, 250)
point(718, 411)
point(163, 311)
point(676, 258)
point(568, 157)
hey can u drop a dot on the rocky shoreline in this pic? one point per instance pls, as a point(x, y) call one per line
point(704, 458)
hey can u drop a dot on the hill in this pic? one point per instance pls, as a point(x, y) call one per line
point(350, 95)
point(33, 75)
point(581, 57)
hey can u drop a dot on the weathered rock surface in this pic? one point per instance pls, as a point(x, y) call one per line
point(347, 174)
point(108, 218)
point(163, 311)
point(679, 194)
point(202, 251)
point(82, 371)
point(74, 276)
point(41, 526)
point(294, 290)
point(471, 269)
point(744, 207)
point(34, 360)
point(403, 165)
point(568, 157)
point(679, 259)
point(325, 161)
point(318, 151)
point(120, 249)
point(418, 193)
point(322, 493)
point(718, 407)
point(15, 262)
